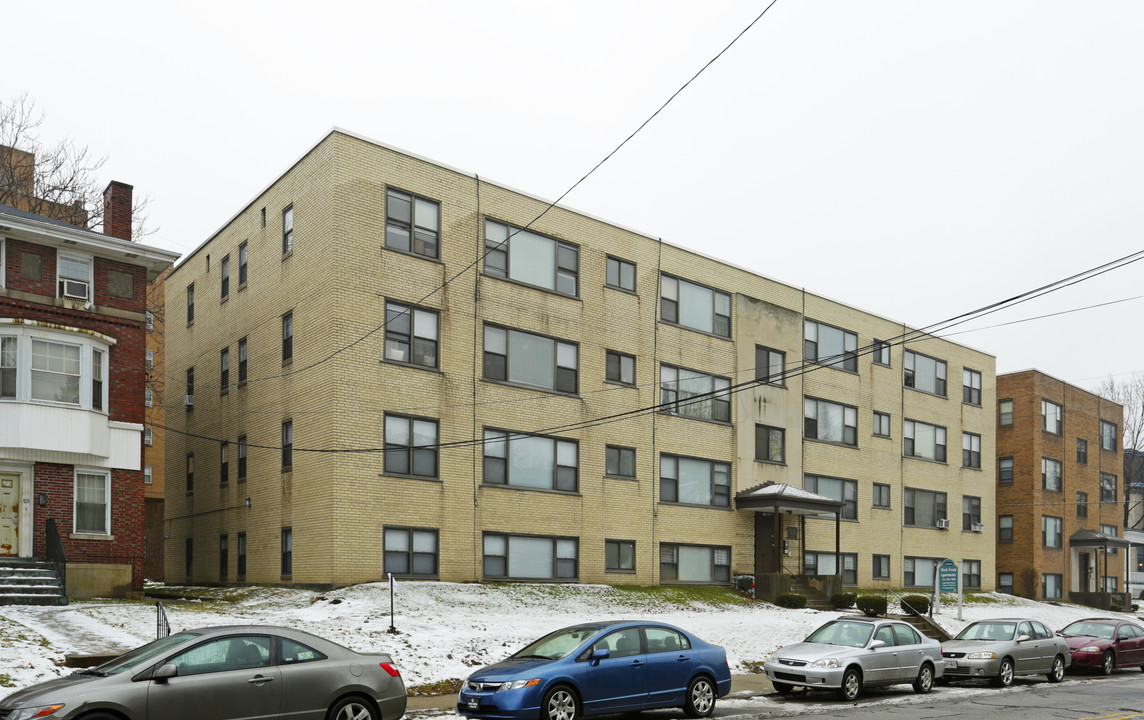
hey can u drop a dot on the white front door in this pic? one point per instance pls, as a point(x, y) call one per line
point(9, 515)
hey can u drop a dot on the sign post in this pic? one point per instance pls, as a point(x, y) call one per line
point(948, 581)
point(392, 591)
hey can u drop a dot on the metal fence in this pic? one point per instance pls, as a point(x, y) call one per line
point(162, 627)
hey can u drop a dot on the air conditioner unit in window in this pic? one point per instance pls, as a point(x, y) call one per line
point(978, 527)
point(942, 524)
point(189, 400)
point(73, 289)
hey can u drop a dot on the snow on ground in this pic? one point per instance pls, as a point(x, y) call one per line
point(444, 630)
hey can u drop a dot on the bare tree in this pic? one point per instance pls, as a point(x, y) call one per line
point(1130, 394)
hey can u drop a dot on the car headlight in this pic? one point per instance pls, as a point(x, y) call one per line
point(1089, 649)
point(34, 712)
point(774, 657)
point(517, 684)
point(981, 656)
point(825, 663)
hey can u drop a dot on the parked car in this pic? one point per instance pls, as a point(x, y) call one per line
point(222, 673)
point(851, 653)
point(1002, 649)
point(1105, 643)
point(603, 667)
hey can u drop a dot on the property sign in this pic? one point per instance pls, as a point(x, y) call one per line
point(947, 574)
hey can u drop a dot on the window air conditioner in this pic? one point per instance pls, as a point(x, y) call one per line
point(942, 524)
point(74, 289)
point(978, 527)
point(189, 400)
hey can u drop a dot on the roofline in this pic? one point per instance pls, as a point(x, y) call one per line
point(1054, 378)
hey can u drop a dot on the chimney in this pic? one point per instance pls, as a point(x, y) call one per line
point(117, 210)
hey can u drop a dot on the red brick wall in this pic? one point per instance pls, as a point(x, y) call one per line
point(13, 258)
point(137, 303)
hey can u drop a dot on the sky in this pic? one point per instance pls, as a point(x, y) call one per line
point(913, 159)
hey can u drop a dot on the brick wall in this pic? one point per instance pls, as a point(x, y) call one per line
point(44, 283)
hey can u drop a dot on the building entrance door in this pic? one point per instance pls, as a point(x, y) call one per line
point(9, 515)
point(1085, 572)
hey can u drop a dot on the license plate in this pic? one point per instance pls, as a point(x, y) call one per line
point(474, 704)
point(948, 664)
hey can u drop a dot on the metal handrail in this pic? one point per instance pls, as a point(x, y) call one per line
point(54, 553)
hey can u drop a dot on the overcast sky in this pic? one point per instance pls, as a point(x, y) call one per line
point(914, 159)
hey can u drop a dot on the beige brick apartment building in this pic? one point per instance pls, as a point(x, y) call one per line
point(351, 307)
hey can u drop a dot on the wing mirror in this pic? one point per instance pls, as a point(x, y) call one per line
point(1022, 638)
point(164, 672)
point(598, 655)
point(877, 644)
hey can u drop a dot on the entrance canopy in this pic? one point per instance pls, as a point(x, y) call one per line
point(780, 498)
point(1097, 539)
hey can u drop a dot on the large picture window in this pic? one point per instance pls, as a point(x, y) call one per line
point(694, 563)
point(694, 482)
point(695, 306)
point(925, 441)
point(92, 502)
point(411, 552)
point(530, 461)
point(831, 346)
point(830, 422)
point(526, 359)
point(410, 446)
point(825, 563)
point(55, 366)
point(526, 557)
point(924, 508)
point(925, 373)
point(526, 257)
point(694, 394)
point(845, 491)
point(919, 571)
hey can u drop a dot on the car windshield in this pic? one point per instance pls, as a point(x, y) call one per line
point(558, 644)
point(1104, 631)
point(988, 631)
point(842, 632)
point(141, 655)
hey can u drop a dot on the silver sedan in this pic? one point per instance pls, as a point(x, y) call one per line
point(1001, 649)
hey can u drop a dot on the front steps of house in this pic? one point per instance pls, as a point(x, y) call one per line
point(30, 582)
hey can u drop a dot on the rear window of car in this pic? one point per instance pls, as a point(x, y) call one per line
point(292, 652)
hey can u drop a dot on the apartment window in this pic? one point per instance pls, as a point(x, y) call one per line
point(96, 380)
point(411, 335)
point(532, 259)
point(75, 277)
point(971, 574)
point(1004, 528)
point(411, 552)
point(148, 436)
point(1107, 487)
point(263, 214)
point(224, 370)
point(881, 567)
point(92, 502)
point(241, 458)
point(970, 386)
point(56, 371)
point(190, 303)
point(770, 366)
point(823, 563)
point(844, 491)
point(1081, 451)
point(830, 422)
point(881, 495)
point(288, 337)
point(190, 399)
point(189, 557)
point(881, 424)
point(1110, 582)
point(970, 450)
point(412, 224)
point(1110, 531)
point(224, 284)
point(694, 563)
point(769, 444)
point(1051, 585)
point(223, 560)
point(242, 361)
point(694, 394)
point(919, 571)
point(1107, 436)
point(242, 263)
point(287, 444)
point(1051, 474)
point(287, 551)
point(1005, 470)
point(1051, 531)
point(240, 557)
point(620, 461)
point(694, 482)
point(530, 461)
point(528, 557)
point(620, 368)
point(1005, 583)
point(1005, 412)
point(149, 359)
point(970, 512)
point(288, 236)
point(620, 556)
point(695, 306)
point(148, 475)
point(223, 463)
point(925, 373)
point(150, 321)
point(190, 473)
point(881, 354)
point(1081, 504)
point(1051, 417)
point(923, 508)
point(526, 359)
point(924, 441)
point(410, 446)
point(8, 368)
point(148, 399)
point(831, 346)
point(621, 274)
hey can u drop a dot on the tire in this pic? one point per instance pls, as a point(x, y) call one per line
point(560, 703)
point(1107, 663)
point(1057, 673)
point(783, 688)
point(700, 699)
point(353, 707)
point(923, 683)
point(851, 684)
point(1004, 673)
point(100, 716)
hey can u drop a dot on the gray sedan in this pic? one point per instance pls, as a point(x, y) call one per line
point(1002, 649)
point(850, 653)
point(223, 673)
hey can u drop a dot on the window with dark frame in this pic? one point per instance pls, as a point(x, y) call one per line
point(881, 495)
point(190, 303)
point(521, 358)
point(96, 379)
point(411, 446)
point(240, 557)
point(824, 564)
point(620, 556)
point(189, 557)
point(845, 491)
point(412, 224)
point(241, 458)
point(770, 444)
point(189, 402)
point(287, 444)
point(693, 394)
point(1081, 504)
point(287, 551)
point(288, 337)
point(971, 450)
point(1051, 474)
point(1004, 528)
point(223, 560)
point(970, 512)
point(1081, 451)
point(1004, 412)
point(830, 422)
point(530, 258)
point(881, 355)
point(881, 424)
point(770, 366)
point(411, 335)
point(693, 481)
point(971, 387)
point(412, 552)
point(224, 370)
point(925, 373)
point(223, 463)
point(522, 557)
point(971, 574)
point(1005, 583)
point(1005, 471)
point(620, 274)
point(242, 361)
point(881, 567)
point(224, 272)
point(620, 368)
point(242, 262)
point(526, 461)
point(1110, 531)
point(694, 563)
point(1051, 529)
point(190, 474)
point(923, 508)
point(1107, 436)
point(694, 306)
point(830, 346)
point(924, 441)
point(1051, 586)
point(1051, 414)
point(288, 230)
point(620, 461)
point(1108, 488)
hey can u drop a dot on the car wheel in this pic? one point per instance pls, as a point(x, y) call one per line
point(1004, 674)
point(783, 688)
point(352, 708)
point(851, 684)
point(1107, 663)
point(100, 716)
point(1057, 673)
point(700, 701)
point(923, 683)
point(560, 703)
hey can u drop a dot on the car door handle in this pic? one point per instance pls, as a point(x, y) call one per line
point(259, 679)
point(637, 663)
point(682, 658)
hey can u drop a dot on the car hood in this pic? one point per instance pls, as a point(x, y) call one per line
point(810, 651)
point(507, 669)
point(968, 646)
point(1078, 641)
point(51, 691)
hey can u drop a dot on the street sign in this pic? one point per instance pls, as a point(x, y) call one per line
point(947, 576)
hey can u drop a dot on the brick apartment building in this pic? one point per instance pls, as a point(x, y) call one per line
point(154, 435)
point(485, 388)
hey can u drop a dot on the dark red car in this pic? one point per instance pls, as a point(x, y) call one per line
point(1105, 643)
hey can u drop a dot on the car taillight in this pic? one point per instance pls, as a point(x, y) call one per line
point(388, 667)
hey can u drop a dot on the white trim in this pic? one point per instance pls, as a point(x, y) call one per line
point(3, 267)
point(75, 256)
point(106, 502)
point(27, 334)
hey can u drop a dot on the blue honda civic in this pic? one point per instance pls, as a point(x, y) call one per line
point(598, 668)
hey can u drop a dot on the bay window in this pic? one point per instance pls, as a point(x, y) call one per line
point(54, 366)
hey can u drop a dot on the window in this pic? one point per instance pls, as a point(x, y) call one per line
point(288, 337)
point(92, 502)
point(224, 285)
point(288, 237)
point(223, 463)
point(971, 574)
point(925, 441)
point(1005, 583)
point(830, 422)
point(1050, 531)
point(1110, 531)
point(149, 359)
point(1051, 585)
point(1005, 470)
point(410, 446)
point(150, 321)
point(1051, 474)
point(971, 386)
point(526, 557)
point(240, 557)
point(287, 444)
point(881, 424)
point(881, 569)
point(263, 213)
point(844, 491)
point(148, 475)
point(148, 436)
point(770, 366)
point(242, 458)
point(526, 359)
point(1051, 417)
point(190, 473)
point(923, 508)
point(411, 335)
point(694, 563)
point(694, 482)
point(694, 394)
point(1081, 504)
point(823, 563)
point(1004, 528)
point(621, 274)
point(242, 361)
point(224, 370)
point(1107, 436)
point(970, 450)
point(530, 461)
point(919, 571)
point(190, 303)
point(620, 556)
point(1005, 412)
point(190, 399)
point(148, 400)
point(223, 560)
point(411, 552)
point(532, 259)
point(831, 346)
point(881, 354)
point(412, 224)
point(96, 380)
point(1111, 582)
point(695, 306)
point(1107, 487)
point(970, 512)
point(881, 495)
point(1081, 451)
point(242, 262)
point(189, 557)
point(620, 461)
point(7, 367)
point(75, 277)
point(769, 444)
point(56, 372)
point(287, 551)
point(620, 368)
point(925, 373)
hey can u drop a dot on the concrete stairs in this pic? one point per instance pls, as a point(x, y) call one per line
point(30, 582)
point(925, 626)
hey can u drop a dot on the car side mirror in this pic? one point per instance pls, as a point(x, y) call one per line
point(598, 655)
point(164, 672)
point(877, 644)
point(1022, 638)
